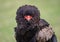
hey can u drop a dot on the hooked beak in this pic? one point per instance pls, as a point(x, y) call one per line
point(28, 17)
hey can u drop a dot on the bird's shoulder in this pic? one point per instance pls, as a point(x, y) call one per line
point(43, 23)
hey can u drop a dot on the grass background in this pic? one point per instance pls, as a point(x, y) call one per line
point(49, 9)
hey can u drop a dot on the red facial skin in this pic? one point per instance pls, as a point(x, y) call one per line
point(28, 17)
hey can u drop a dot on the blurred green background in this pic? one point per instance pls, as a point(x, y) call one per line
point(49, 9)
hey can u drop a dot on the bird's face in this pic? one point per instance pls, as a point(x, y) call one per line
point(29, 19)
point(27, 15)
